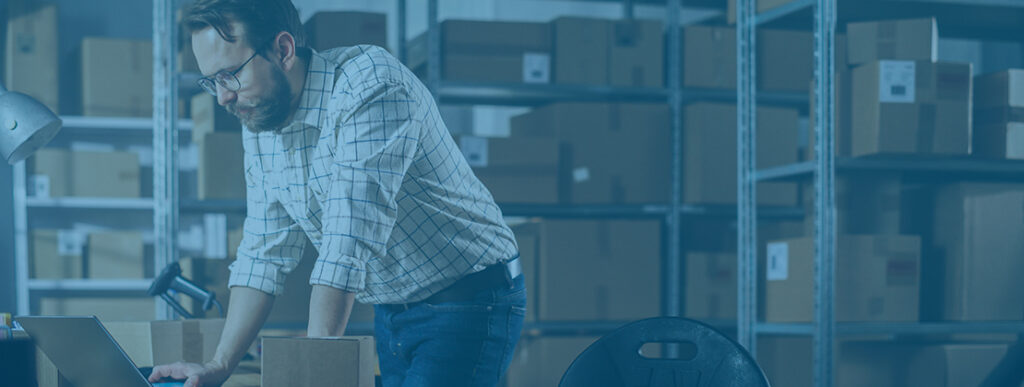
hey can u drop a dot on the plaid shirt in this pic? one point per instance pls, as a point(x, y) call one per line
point(369, 173)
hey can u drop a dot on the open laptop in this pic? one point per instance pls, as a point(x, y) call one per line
point(85, 353)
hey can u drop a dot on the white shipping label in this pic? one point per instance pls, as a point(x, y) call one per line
point(475, 150)
point(145, 154)
point(40, 186)
point(536, 67)
point(580, 175)
point(778, 261)
point(896, 81)
point(215, 227)
point(70, 242)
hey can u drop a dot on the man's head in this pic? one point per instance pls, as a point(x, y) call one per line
point(267, 32)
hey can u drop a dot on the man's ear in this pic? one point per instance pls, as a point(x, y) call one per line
point(283, 50)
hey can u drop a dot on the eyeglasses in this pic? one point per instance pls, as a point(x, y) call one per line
point(226, 79)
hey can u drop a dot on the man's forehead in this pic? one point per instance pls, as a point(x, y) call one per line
point(214, 53)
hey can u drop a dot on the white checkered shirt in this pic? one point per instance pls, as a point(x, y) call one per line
point(369, 173)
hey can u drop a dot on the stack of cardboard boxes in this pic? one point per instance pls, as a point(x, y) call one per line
point(999, 115)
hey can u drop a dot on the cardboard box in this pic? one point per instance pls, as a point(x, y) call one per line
point(30, 53)
point(877, 279)
point(150, 343)
point(954, 364)
point(637, 54)
point(105, 174)
point(999, 141)
point(785, 58)
point(579, 57)
point(912, 107)
point(865, 205)
point(490, 52)
point(209, 117)
point(327, 30)
point(711, 286)
point(115, 254)
point(594, 270)
point(221, 166)
point(542, 361)
point(617, 153)
point(1001, 89)
point(49, 173)
point(909, 39)
point(55, 173)
point(56, 254)
point(762, 6)
point(337, 361)
point(133, 76)
point(515, 170)
point(977, 230)
point(788, 361)
point(710, 153)
point(47, 374)
point(106, 309)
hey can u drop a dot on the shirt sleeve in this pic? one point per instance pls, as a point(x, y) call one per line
point(272, 243)
point(376, 141)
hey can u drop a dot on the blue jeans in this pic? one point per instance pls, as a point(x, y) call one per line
point(453, 343)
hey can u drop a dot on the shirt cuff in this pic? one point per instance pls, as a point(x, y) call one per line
point(265, 277)
point(344, 273)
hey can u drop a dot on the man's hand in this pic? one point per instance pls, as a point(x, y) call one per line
point(197, 375)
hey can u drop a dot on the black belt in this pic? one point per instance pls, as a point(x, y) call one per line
point(502, 274)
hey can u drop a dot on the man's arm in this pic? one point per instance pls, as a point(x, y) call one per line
point(329, 310)
point(247, 312)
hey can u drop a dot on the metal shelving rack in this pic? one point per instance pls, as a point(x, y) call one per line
point(1005, 16)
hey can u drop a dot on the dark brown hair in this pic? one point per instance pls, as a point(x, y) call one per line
point(263, 19)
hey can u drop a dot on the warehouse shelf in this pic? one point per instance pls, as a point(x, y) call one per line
point(91, 203)
point(960, 168)
point(465, 93)
point(87, 285)
point(968, 19)
point(218, 205)
point(116, 123)
point(897, 328)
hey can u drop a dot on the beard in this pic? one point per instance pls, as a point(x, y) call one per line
point(266, 113)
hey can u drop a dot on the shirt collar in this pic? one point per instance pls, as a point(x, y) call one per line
point(315, 94)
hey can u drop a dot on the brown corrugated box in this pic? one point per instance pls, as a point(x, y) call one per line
point(491, 51)
point(517, 169)
point(221, 170)
point(978, 230)
point(1000, 89)
point(327, 30)
point(84, 173)
point(865, 205)
point(785, 58)
point(115, 254)
point(619, 153)
point(999, 141)
point(46, 372)
point(594, 270)
point(30, 53)
point(877, 279)
point(710, 158)
point(952, 365)
point(120, 88)
point(637, 54)
point(909, 39)
point(52, 261)
point(150, 343)
point(579, 57)
point(710, 285)
point(321, 362)
point(999, 115)
point(912, 107)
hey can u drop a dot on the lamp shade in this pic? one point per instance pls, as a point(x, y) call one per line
point(25, 125)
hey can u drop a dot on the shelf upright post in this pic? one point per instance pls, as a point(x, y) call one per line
point(672, 302)
point(403, 20)
point(746, 201)
point(824, 193)
point(165, 142)
point(433, 50)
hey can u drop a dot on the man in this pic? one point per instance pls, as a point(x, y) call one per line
point(347, 148)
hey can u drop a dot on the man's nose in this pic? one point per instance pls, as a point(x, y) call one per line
point(225, 96)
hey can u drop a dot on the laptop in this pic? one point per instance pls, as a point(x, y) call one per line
point(85, 353)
